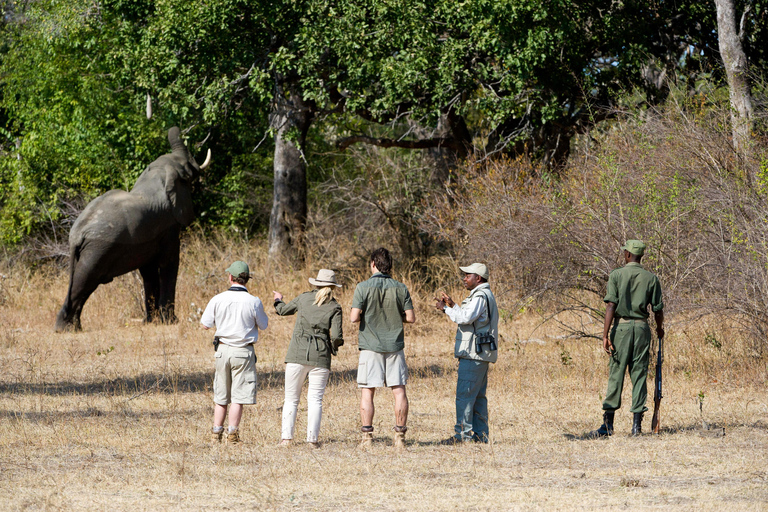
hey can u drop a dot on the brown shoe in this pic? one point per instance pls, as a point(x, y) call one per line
point(216, 436)
point(233, 437)
point(399, 440)
point(367, 440)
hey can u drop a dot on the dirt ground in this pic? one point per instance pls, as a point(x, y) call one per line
point(118, 417)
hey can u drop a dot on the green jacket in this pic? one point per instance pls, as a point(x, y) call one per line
point(317, 333)
point(632, 289)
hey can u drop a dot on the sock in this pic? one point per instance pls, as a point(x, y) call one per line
point(232, 429)
point(216, 429)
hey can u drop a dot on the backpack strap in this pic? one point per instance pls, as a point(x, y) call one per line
point(487, 310)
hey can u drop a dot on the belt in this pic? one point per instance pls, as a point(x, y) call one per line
point(627, 320)
point(317, 339)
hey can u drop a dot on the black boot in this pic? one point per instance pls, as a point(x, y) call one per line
point(606, 429)
point(637, 424)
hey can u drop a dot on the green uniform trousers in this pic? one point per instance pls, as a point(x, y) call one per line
point(632, 341)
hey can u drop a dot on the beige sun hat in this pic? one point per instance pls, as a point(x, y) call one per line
point(325, 277)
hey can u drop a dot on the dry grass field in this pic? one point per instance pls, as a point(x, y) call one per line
point(117, 417)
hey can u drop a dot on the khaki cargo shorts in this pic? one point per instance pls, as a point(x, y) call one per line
point(235, 378)
point(381, 369)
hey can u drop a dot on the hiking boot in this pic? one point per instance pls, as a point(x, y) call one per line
point(399, 440)
point(606, 429)
point(233, 437)
point(451, 441)
point(367, 440)
point(216, 436)
point(637, 424)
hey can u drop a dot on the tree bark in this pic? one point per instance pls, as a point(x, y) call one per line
point(290, 119)
point(736, 68)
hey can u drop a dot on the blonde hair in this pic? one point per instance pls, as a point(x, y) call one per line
point(323, 295)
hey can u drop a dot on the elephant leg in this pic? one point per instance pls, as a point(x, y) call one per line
point(151, 278)
point(82, 284)
point(169, 269)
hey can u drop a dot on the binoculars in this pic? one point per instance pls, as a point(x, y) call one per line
point(484, 339)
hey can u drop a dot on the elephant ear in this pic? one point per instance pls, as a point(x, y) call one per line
point(180, 197)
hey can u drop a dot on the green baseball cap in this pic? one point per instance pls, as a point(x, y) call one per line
point(237, 268)
point(636, 247)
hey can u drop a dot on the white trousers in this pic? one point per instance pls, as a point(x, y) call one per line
point(295, 374)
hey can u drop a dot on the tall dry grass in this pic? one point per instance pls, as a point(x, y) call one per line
point(118, 416)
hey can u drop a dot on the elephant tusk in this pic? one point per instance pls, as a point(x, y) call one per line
point(207, 160)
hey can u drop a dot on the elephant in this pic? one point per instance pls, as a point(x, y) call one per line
point(122, 231)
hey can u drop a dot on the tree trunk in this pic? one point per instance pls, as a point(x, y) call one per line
point(290, 119)
point(736, 68)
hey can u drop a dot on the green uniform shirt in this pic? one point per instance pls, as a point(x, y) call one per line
point(316, 330)
point(632, 288)
point(383, 302)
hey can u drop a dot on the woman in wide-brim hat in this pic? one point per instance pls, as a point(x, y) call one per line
point(316, 338)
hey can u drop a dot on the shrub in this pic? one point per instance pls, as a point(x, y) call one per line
point(669, 177)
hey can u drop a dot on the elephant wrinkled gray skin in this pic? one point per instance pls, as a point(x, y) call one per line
point(122, 231)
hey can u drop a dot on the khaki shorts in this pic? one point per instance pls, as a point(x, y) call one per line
point(381, 369)
point(235, 378)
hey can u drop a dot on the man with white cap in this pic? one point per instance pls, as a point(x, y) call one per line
point(476, 347)
point(238, 316)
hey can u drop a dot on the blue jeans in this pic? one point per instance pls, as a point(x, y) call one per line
point(471, 404)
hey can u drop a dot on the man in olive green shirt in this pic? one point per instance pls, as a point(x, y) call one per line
point(381, 305)
point(631, 290)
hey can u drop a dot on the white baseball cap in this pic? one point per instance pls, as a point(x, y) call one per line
point(476, 268)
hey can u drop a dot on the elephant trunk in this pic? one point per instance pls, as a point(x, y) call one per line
point(177, 145)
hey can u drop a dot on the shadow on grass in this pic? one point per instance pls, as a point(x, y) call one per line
point(94, 412)
point(704, 430)
point(195, 382)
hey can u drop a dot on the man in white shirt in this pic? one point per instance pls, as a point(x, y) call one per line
point(238, 316)
point(476, 347)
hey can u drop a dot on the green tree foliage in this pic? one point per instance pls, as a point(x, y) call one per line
point(75, 80)
point(476, 77)
point(510, 75)
point(67, 125)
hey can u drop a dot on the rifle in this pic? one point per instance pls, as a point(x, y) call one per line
point(657, 396)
